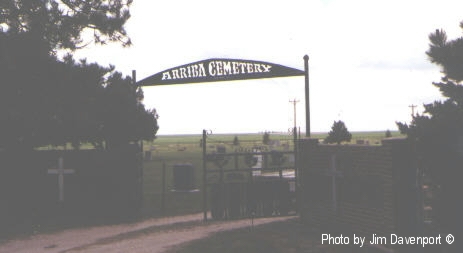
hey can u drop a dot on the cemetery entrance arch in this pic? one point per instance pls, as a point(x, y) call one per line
point(219, 69)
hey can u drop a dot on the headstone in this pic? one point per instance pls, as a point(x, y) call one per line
point(61, 171)
point(221, 149)
point(285, 146)
point(184, 178)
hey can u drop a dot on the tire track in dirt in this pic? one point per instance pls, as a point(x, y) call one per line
point(153, 235)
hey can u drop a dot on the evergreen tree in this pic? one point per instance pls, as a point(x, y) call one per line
point(338, 133)
point(236, 141)
point(266, 138)
point(442, 118)
point(439, 129)
point(61, 22)
point(45, 100)
point(388, 134)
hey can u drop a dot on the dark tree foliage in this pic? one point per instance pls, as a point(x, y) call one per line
point(266, 138)
point(439, 129)
point(388, 134)
point(45, 101)
point(49, 101)
point(125, 116)
point(338, 133)
point(62, 22)
point(442, 117)
point(236, 141)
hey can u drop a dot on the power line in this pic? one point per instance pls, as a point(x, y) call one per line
point(412, 106)
point(294, 101)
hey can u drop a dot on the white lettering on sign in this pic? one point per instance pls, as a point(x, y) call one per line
point(225, 68)
point(216, 68)
point(190, 71)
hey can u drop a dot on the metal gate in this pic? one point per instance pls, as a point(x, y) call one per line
point(251, 181)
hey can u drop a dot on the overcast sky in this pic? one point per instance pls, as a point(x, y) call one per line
point(367, 60)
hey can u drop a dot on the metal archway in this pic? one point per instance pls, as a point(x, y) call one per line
point(220, 69)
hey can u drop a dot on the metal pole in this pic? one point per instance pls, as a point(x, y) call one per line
point(307, 99)
point(134, 78)
point(204, 176)
point(413, 109)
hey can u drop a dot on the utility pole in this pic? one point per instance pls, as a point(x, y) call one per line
point(413, 109)
point(294, 101)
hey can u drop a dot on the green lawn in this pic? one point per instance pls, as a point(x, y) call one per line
point(171, 150)
point(180, 149)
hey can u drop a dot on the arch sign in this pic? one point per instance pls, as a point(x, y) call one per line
point(218, 69)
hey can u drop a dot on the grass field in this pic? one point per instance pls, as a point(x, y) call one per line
point(180, 149)
point(170, 150)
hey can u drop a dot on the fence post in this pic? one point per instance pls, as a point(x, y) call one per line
point(297, 171)
point(163, 194)
point(204, 177)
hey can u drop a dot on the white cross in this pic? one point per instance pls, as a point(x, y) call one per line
point(60, 171)
point(334, 173)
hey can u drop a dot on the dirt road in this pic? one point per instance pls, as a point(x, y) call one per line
point(153, 235)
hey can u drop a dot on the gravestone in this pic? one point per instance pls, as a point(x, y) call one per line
point(285, 147)
point(221, 149)
point(275, 144)
point(184, 178)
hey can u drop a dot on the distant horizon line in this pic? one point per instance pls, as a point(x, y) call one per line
point(274, 132)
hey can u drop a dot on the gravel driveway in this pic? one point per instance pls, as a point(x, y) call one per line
point(153, 235)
